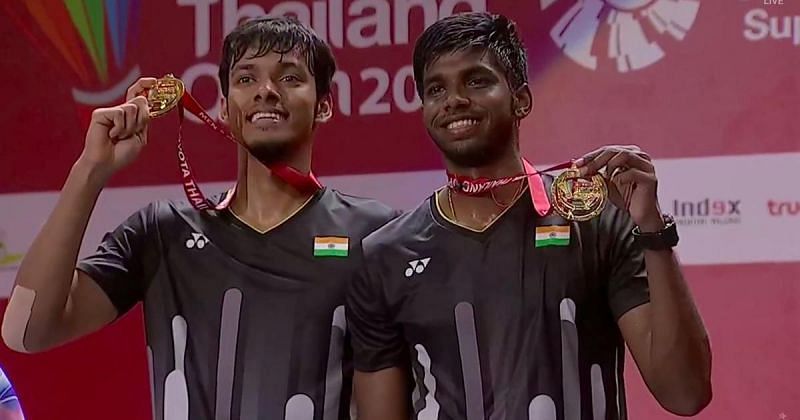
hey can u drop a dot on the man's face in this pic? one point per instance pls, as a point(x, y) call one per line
point(272, 104)
point(468, 107)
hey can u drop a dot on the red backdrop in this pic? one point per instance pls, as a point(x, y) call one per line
point(709, 80)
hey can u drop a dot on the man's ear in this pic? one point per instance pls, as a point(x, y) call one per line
point(223, 110)
point(523, 102)
point(324, 109)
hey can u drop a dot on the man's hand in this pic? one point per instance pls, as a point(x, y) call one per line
point(117, 135)
point(632, 182)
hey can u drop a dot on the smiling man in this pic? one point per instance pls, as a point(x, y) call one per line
point(244, 302)
point(503, 309)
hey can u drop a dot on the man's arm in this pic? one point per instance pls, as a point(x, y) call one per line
point(382, 395)
point(380, 353)
point(51, 302)
point(666, 336)
point(668, 340)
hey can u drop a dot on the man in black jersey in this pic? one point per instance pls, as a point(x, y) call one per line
point(244, 302)
point(502, 308)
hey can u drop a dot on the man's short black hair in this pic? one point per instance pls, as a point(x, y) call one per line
point(473, 31)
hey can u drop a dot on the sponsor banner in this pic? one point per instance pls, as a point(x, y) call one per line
point(730, 210)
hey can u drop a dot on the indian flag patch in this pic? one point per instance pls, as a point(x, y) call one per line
point(331, 246)
point(552, 236)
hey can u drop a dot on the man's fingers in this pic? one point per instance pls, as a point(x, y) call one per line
point(117, 118)
point(141, 87)
point(142, 117)
point(592, 165)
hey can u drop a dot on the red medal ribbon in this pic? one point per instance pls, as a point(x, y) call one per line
point(302, 182)
point(479, 186)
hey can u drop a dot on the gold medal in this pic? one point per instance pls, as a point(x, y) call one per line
point(165, 95)
point(576, 198)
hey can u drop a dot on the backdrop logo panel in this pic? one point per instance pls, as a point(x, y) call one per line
point(622, 28)
point(92, 40)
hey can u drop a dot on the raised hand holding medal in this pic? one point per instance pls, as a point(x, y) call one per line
point(582, 190)
point(116, 135)
point(631, 181)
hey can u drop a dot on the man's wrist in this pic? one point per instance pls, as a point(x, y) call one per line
point(663, 238)
point(652, 224)
point(90, 174)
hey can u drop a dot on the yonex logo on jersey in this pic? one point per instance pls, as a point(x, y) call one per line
point(417, 266)
point(198, 240)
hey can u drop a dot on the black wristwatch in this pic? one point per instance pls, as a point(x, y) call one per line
point(664, 239)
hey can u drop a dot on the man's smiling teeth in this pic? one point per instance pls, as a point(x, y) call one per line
point(461, 124)
point(261, 115)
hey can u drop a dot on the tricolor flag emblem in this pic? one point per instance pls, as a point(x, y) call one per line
point(552, 236)
point(331, 246)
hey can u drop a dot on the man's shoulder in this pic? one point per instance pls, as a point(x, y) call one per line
point(408, 227)
point(166, 212)
point(359, 208)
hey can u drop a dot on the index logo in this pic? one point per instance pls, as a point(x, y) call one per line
point(707, 212)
